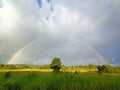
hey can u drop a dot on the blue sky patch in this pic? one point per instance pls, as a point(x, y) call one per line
point(48, 1)
point(39, 3)
point(1, 4)
point(51, 8)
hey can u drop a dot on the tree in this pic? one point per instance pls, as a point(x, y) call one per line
point(100, 69)
point(108, 69)
point(56, 64)
point(105, 69)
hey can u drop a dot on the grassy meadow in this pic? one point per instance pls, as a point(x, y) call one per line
point(32, 77)
point(35, 80)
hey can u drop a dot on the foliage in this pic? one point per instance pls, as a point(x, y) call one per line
point(12, 86)
point(80, 68)
point(47, 66)
point(7, 75)
point(105, 69)
point(61, 81)
point(56, 64)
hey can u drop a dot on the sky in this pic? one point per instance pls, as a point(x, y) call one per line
point(79, 32)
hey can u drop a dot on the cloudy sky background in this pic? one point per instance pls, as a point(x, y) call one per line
point(79, 32)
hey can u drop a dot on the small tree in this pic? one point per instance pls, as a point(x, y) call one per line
point(56, 64)
point(105, 69)
point(100, 69)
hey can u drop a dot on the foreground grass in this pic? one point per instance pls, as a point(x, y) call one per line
point(63, 81)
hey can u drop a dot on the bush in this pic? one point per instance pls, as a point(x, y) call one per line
point(105, 69)
point(7, 75)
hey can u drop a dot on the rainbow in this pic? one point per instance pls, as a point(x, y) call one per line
point(101, 59)
point(18, 53)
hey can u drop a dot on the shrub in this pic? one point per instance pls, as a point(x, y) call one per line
point(105, 69)
point(7, 75)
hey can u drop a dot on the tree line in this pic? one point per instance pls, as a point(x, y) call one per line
point(57, 65)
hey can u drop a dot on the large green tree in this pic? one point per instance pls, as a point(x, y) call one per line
point(56, 64)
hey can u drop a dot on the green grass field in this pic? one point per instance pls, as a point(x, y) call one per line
point(26, 80)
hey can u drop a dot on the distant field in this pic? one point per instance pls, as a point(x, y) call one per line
point(35, 80)
point(50, 70)
point(20, 70)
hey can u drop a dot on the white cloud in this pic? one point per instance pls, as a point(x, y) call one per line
point(8, 17)
point(61, 34)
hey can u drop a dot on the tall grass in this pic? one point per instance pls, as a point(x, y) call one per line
point(61, 81)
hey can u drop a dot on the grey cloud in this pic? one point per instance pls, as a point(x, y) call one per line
point(62, 35)
point(69, 52)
